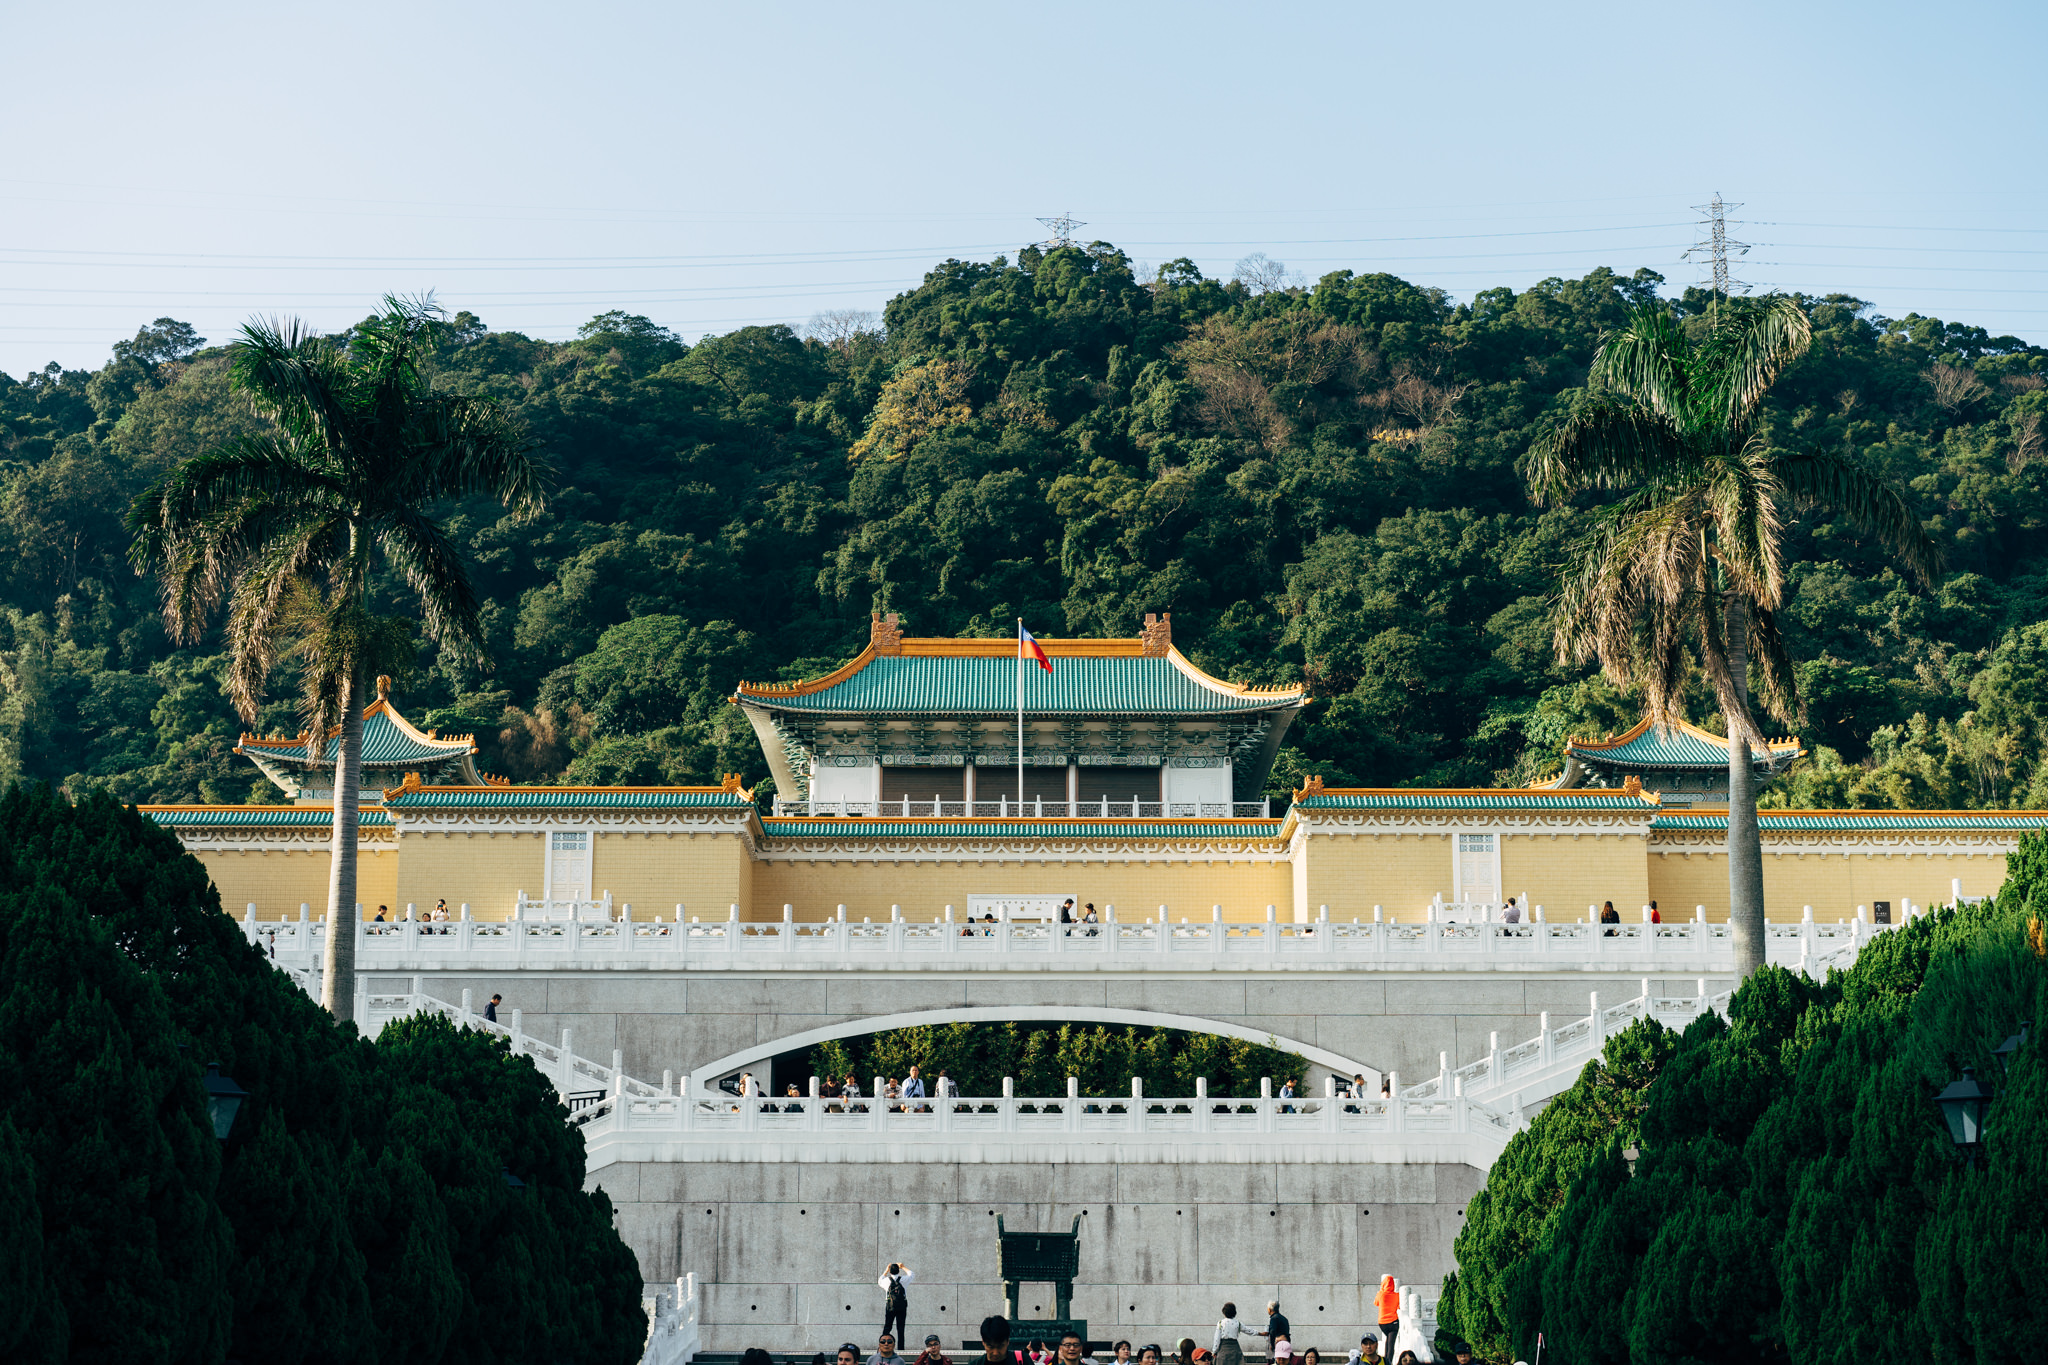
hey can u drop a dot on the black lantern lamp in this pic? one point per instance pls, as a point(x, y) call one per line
point(2004, 1051)
point(223, 1100)
point(1962, 1108)
point(512, 1182)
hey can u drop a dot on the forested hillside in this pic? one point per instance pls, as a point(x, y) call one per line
point(1319, 483)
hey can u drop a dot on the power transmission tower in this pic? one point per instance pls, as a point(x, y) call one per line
point(1062, 230)
point(1716, 246)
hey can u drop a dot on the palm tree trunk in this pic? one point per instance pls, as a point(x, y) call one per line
point(1745, 845)
point(344, 917)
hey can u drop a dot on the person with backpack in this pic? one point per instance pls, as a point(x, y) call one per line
point(894, 1284)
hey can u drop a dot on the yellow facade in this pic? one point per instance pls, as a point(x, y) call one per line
point(1834, 882)
point(1137, 886)
point(1347, 852)
point(277, 881)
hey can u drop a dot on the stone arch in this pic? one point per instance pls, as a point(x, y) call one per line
point(703, 1080)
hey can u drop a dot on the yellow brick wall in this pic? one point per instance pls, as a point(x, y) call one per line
point(1244, 889)
point(653, 872)
point(488, 869)
point(1400, 873)
point(278, 880)
point(1565, 873)
point(1833, 883)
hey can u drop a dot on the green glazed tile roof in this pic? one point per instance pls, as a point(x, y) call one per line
point(385, 745)
point(564, 798)
point(270, 817)
point(1423, 799)
point(1075, 686)
point(1998, 821)
point(793, 828)
point(1681, 746)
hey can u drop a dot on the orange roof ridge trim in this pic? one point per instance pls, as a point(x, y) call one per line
point(729, 787)
point(380, 707)
point(1630, 787)
point(1636, 732)
point(1005, 647)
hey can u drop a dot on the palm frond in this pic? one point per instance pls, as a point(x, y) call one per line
point(1752, 344)
point(1645, 363)
point(433, 569)
point(1838, 480)
point(1604, 442)
point(1777, 678)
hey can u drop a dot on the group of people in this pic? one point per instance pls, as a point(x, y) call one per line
point(1225, 1343)
point(437, 915)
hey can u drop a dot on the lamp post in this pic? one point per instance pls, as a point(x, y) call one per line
point(1631, 1155)
point(223, 1100)
point(2004, 1051)
point(1962, 1108)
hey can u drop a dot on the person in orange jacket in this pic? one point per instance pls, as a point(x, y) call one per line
point(1388, 1302)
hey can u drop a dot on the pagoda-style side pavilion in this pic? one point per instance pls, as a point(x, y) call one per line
point(1684, 764)
point(1130, 722)
point(392, 747)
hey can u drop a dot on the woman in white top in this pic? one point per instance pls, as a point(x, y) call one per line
point(1228, 1352)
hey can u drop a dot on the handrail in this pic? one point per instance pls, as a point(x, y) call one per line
point(1004, 808)
point(1457, 937)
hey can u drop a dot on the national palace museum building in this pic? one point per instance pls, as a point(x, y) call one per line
point(899, 791)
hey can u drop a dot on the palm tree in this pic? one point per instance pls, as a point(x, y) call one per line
point(288, 527)
point(1683, 573)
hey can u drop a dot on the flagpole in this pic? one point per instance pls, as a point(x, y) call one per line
point(1020, 715)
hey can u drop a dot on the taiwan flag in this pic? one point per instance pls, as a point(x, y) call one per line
point(1029, 648)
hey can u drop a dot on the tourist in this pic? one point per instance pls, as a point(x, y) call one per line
point(1655, 918)
point(1287, 1093)
point(491, 1008)
point(441, 910)
point(1277, 1325)
point(913, 1088)
point(1038, 1353)
point(1609, 915)
point(1511, 913)
point(892, 1092)
point(933, 1353)
point(1282, 1352)
point(1463, 1351)
point(1067, 914)
point(995, 1341)
point(1408, 1358)
point(380, 916)
point(1224, 1342)
point(1149, 1354)
point(1369, 1350)
point(1311, 1357)
point(1184, 1352)
point(1071, 1347)
point(850, 1091)
point(754, 1355)
point(1090, 920)
point(885, 1352)
point(1121, 1351)
point(1388, 1302)
point(895, 1286)
point(849, 1354)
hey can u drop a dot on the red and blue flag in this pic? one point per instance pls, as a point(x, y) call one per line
point(1029, 648)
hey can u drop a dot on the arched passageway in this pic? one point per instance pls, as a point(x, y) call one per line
point(704, 1080)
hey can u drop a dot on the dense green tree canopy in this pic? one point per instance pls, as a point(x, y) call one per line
point(358, 1211)
point(1321, 483)
point(1795, 1193)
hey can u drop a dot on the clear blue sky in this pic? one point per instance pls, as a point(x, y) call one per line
point(716, 165)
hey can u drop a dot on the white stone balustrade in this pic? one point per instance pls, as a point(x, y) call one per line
point(1004, 808)
point(1208, 942)
point(675, 1324)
